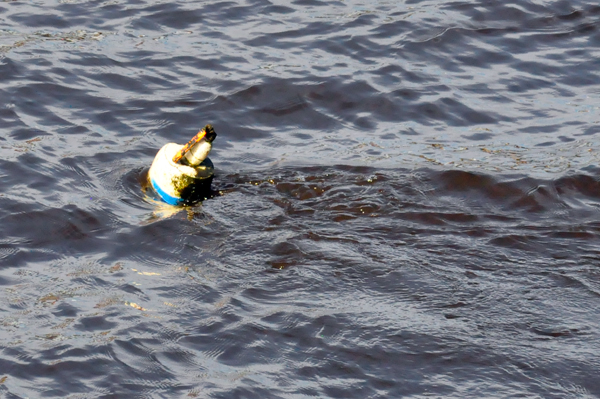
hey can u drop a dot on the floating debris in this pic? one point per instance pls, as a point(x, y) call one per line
point(135, 305)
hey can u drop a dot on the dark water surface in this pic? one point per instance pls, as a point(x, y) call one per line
point(410, 208)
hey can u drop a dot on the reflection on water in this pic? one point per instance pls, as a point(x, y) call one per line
point(406, 199)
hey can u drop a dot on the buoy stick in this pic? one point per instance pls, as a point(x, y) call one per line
point(181, 153)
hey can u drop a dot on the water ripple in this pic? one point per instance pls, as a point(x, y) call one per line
point(408, 199)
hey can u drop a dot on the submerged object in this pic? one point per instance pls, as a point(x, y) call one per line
point(183, 173)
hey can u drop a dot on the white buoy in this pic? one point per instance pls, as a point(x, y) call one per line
point(181, 173)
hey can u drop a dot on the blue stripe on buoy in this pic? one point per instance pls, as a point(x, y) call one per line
point(169, 199)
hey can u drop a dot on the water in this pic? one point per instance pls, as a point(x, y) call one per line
point(409, 199)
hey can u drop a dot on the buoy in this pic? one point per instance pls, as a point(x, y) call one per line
point(183, 173)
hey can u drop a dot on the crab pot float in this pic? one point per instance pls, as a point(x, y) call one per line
point(183, 173)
